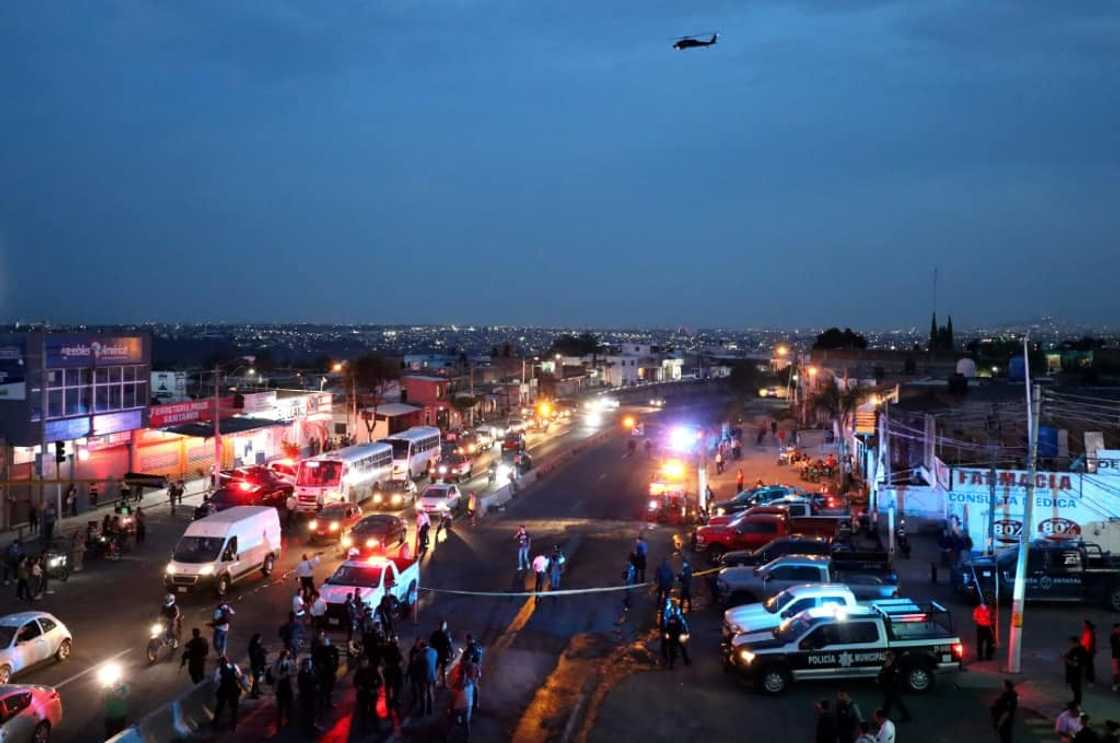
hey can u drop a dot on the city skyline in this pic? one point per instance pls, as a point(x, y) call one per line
point(558, 165)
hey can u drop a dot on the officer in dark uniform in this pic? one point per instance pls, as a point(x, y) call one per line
point(889, 680)
point(194, 656)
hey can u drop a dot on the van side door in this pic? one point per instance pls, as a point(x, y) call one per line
point(232, 560)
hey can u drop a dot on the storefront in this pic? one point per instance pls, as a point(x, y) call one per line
point(63, 398)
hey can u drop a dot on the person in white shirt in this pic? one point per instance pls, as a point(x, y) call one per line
point(885, 727)
point(1068, 723)
point(540, 567)
point(318, 610)
point(865, 734)
point(299, 605)
point(305, 570)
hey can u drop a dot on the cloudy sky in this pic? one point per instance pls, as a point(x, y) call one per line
point(556, 162)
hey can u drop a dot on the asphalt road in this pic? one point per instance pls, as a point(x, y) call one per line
point(110, 606)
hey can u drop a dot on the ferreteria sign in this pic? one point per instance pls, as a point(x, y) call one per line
point(964, 479)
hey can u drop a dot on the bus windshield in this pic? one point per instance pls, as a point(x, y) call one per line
point(319, 473)
point(400, 448)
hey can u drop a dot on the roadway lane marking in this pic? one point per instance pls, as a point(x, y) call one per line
point(92, 668)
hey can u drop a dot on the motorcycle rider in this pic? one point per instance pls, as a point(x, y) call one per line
point(172, 618)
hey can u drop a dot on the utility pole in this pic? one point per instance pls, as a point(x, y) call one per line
point(217, 425)
point(1015, 639)
point(993, 428)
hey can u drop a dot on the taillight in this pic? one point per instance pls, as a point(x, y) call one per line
point(958, 649)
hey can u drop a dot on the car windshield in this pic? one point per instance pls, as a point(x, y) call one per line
point(333, 511)
point(198, 549)
point(319, 473)
point(436, 492)
point(396, 486)
point(6, 635)
point(776, 602)
point(365, 576)
point(791, 629)
point(372, 525)
point(400, 448)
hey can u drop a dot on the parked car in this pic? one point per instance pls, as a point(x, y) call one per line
point(332, 520)
point(870, 576)
point(376, 534)
point(284, 470)
point(515, 425)
point(29, 713)
point(30, 638)
point(485, 436)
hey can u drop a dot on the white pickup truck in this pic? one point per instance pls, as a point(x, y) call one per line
point(768, 615)
point(371, 578)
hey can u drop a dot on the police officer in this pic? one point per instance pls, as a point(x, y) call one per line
point(985, 636)
point(685, 577)
point(676, 634)
point(664, 576)
point(889, 679)
point(194, 656)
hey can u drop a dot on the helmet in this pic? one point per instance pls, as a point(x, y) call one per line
point(169, 600)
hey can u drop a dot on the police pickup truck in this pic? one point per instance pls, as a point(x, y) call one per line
point(1057, 570)
point(843, 643)
point(868, 575)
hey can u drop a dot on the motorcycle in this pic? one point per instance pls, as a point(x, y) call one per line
point(161, 641)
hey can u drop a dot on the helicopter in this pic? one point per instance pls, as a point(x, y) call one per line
point(690, 42)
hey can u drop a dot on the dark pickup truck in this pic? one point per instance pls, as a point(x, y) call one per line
point(794, 544)
point(1057, 570)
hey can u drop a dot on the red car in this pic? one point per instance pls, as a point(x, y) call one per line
point(332, 521)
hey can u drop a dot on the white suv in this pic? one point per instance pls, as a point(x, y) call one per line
point(440, 498)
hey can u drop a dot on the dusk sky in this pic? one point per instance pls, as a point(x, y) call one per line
point(555, 162)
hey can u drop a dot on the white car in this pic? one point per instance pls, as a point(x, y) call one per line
point(29, 713)
point(515, 425)
point(30, 638)
point(440, 498)
point(284, 470)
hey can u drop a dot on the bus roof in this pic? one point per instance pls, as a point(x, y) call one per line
point(414, 434)
point(352, 453)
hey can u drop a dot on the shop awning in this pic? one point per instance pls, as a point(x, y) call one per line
point(228, 426)
point(395, 409)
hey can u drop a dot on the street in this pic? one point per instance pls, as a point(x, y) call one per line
point(572, 667)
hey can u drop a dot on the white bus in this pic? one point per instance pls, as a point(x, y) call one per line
point(414, 451)
point(349, 475)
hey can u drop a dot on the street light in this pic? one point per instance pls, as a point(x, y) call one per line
point(782, 350)
point(337, 367)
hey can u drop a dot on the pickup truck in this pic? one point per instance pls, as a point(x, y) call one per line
point(869, 578)
point(754, 530)
point(789, 507)
point(751, 498)
point(769, 615)
point(796, 544)
point(372, 578)
point(851, 642)
point(1057, 570)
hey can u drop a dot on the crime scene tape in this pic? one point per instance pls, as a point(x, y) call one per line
point(561, 592)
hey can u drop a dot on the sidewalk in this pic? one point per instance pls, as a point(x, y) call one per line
point(151, 502)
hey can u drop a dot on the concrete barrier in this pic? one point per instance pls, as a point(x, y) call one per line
point(184, 718)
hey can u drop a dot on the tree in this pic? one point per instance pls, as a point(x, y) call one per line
point(585, 344)
point(464, 404)
point(841, 407)
point(368, 374)
point(744, 379)
point(835, 339)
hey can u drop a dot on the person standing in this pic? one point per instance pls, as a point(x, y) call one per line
point(94, 494)
point(72, 500)
point(1114, 646)
point(194, 656)
point(394, 678)
point(1088, 641)
point(33, 518)
point(1003, 711)
point(258, 662)
point(37, 585)
point(985, 636)
point(229, 680)
point(524, 544)
point(116, 708)
point(13, 556)
point(318, 611)
point(283, 671)
point(308, 682)
point(367, 684)
point(305, 570)
point(641, 552)
point(889, 682)
point(555, 568)
point(220, 621)
point(77, 552)
point(141, 525)
point(171, 493)
point(629, 578)
point(441, 643)
point(676, 629)
point(740, 479)
point(719, 461)
point(826, 722)
point(540, 568)
point(1075, 661)
point(848, 718)
point(50, 516)
point(430, 659)
point(664, 577)
point(291, 634)
point(685, 578)
point(417, 674)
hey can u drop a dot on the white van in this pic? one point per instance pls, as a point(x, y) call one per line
point(224, 548)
